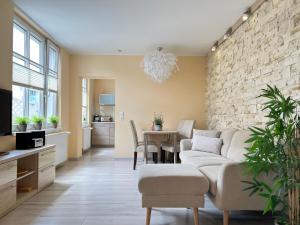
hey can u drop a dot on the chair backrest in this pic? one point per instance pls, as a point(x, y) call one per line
point(185, 129)
point(134, 134)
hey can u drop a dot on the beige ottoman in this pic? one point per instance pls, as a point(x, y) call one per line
point(172, 186)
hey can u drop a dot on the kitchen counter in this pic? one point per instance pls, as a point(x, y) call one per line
point(102, 122)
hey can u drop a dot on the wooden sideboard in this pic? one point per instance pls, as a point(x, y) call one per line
point(23, 173)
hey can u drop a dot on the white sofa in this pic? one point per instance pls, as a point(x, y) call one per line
point(225, 172)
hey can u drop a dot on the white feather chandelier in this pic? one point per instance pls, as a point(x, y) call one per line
point(158, 66)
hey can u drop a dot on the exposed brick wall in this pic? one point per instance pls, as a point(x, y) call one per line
point(264, 50)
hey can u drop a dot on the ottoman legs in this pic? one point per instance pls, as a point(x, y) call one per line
point(148, 217)
point(196, 216)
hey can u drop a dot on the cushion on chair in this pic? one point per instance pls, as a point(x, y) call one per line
point(169, 147)
point(151, 148)
point(174, 179)
point(211, 172)
point(206, 144)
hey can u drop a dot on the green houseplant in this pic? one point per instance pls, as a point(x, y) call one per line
point(274, 151)
point(54, 120)
point(22, 122)
point(158, 122)
point(38, 122)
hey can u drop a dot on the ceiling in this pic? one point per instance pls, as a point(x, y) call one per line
point(184, 27)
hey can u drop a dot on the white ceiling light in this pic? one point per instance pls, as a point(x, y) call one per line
point(158, 66)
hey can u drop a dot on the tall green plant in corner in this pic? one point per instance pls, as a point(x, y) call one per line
point(275, 151)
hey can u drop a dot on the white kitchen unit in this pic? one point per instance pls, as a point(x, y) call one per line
point(103, 134)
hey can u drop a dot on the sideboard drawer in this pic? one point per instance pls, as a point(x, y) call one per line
point(46, 177)
point(8, 172)
point(46, 158)
point(8, 196)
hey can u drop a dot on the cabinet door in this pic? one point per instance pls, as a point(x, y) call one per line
point(8, 172)
point(101, 131)
point(46, 176)
point(8, 196)
point(46, 158)
point(100, 140)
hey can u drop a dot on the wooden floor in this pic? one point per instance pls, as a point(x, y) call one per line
point(101, 190)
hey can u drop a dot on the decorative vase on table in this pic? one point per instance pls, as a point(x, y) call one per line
point(158, 122)
point(38, 126)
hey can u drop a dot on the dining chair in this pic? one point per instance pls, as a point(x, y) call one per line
point(185, 131)
point(139, 146)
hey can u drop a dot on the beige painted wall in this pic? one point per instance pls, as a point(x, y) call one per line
point(181, 97)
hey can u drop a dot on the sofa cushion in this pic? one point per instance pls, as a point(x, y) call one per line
point(188, 154)
point(172, 179)
point(206, 144)
point(211, 172)
point(226, 136)
point(237, 148)
point(207, 133)
point(209, 160)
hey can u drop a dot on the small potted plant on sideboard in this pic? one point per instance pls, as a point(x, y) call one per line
point(38, 122)
point(54, 120)
point(22, 122)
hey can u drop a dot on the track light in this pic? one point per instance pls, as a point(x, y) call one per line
point(246, 14)
point(214, 47)
point(227, 34)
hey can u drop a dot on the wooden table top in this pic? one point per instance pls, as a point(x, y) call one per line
point(159, 132)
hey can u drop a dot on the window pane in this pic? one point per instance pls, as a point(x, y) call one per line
point(52, 104)
point(19, 61)
point(35, 103)
point(35, 68)
point(35, 50)
point(18, 108)
point(84, 115)
point(19, 40)
point(53, 59)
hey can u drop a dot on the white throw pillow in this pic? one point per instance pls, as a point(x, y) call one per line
point(207, 144)
point(207, 133)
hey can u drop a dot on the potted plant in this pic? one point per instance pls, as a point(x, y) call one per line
point(275, 151)
point(22, 123)
point(38, 122)
point(54, 120)
point(158, 122)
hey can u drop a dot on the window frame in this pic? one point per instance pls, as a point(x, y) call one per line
point(43, 65)
point(86, 107)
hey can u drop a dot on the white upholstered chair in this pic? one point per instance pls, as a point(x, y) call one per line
point(185, 131)
point(139, 146)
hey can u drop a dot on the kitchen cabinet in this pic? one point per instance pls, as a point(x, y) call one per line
point(103, 134)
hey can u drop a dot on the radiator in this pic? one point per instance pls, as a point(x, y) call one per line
point(61, 141)
point(86, 138)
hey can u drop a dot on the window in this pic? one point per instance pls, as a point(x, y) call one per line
point(84, 102)
point(35, 73)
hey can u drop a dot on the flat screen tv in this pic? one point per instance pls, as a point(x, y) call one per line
point(5, 112)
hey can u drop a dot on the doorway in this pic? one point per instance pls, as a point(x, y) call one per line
point(103, 112)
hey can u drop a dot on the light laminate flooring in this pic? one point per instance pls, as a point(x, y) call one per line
point(101, 190)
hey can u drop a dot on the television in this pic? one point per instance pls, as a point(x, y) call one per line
point(5, 112)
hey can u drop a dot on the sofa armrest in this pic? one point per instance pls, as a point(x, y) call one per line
point(230, 189)
point(185, 144)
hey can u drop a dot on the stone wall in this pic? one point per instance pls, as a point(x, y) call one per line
point(264, 50)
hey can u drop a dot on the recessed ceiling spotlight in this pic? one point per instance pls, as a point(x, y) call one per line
point(246, 14)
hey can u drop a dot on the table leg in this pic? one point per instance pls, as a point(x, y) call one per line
point(175, 147)
point(146, 148)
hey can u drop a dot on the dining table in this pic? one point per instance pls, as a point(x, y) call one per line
point(152, 133)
